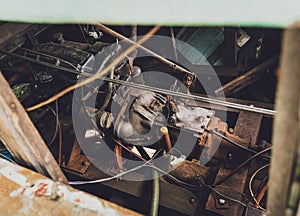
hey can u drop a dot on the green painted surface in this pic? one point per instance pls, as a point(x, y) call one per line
point(269, 13)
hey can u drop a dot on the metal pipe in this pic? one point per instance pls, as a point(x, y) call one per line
point(165, 132)
point(158, 90)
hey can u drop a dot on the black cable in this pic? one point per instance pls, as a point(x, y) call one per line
point(236, 144)
point(83, 34)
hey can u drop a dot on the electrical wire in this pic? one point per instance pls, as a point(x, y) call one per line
point(147, 164)
point(235, 143)
point(211, 187)
point(262, 193)
point(83, 34)
point(261, 185)
point(242, 165)
point(57, 129)
point(60, 143)
point(55, 113)
point(97, 75)
point(155, 194)
point(194, 187)
point(250, 186)
point(116, 176)
point(135, 85)
point(7, 158)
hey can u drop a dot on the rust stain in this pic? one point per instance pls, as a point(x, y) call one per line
point(33, 199)
point(41, 190)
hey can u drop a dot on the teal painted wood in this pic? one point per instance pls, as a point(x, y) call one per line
point(273, 13)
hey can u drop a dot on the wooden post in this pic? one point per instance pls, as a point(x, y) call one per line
point(285, 132)
point(21, 138)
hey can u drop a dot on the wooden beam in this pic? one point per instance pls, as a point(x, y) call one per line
point(230, 47)
point(246, 79)
point(13, 35)
point(217, 54)
point(24, 192)
point(286, 127)
point(9, 30)
point(21, 138)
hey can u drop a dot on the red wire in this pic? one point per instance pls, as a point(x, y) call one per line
point(202, 188)
point(242, 165)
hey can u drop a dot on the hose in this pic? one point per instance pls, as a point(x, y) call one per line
point(155, 194)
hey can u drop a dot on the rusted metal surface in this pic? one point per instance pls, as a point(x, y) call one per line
point(21, 138)
point(191, 172)
point(24, 192)
point(210, 142)
point(172, 197)
point(247, 127)
point(77, 161)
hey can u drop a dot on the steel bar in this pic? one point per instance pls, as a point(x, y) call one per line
point(212, 101)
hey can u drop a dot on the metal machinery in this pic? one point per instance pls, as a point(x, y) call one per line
point(206, 161)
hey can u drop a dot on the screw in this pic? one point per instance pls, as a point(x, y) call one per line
point(230, 130)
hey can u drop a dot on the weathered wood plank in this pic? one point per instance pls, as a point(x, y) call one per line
point(286, 138)
point(9, 30)
point(246, 79)
point(24, 192)
point(13, 35)
point(21, 138)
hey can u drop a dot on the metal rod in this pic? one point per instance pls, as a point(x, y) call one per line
point(102, 73)
point(159, 57)
point(158, 90)
point(165, 132)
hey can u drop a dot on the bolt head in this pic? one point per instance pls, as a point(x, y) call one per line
point(222, 201)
